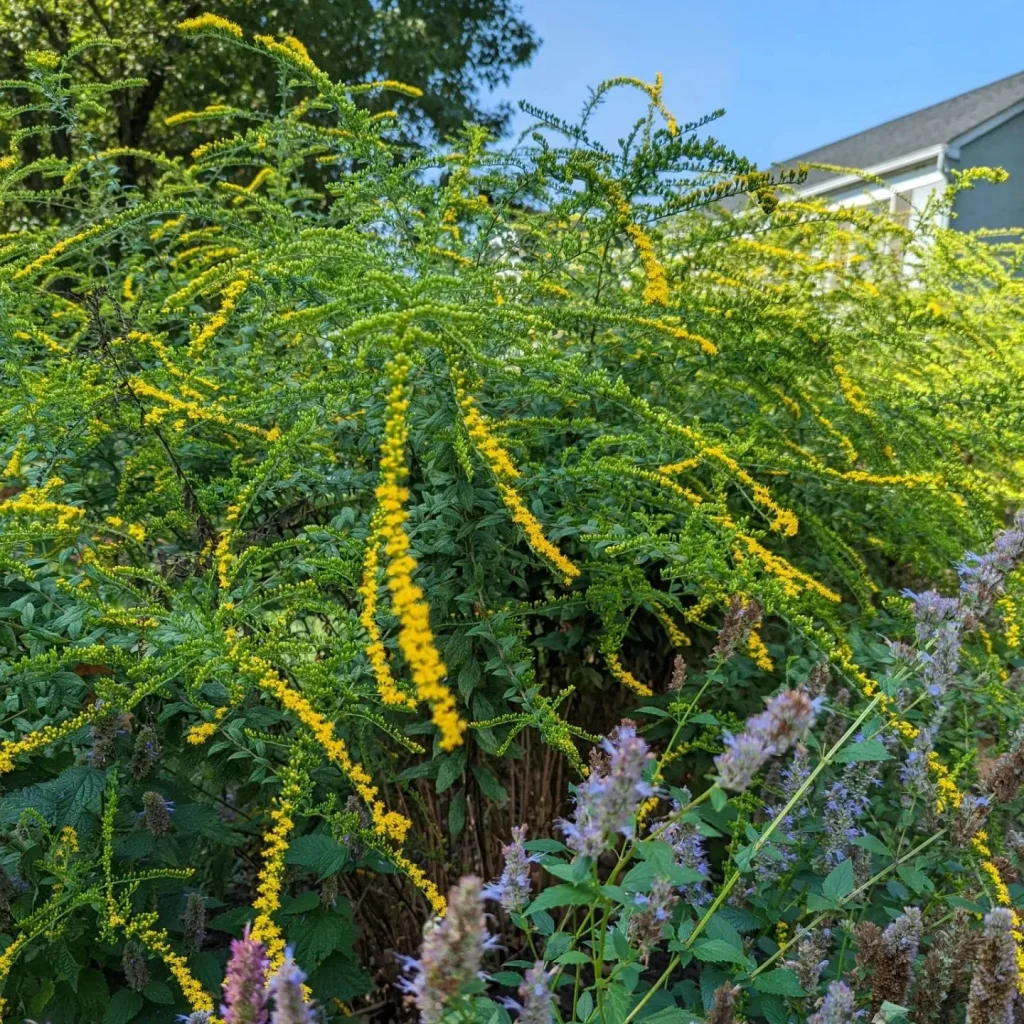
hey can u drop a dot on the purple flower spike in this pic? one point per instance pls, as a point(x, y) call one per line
point(245, 998)
point(785, 721)
point(838, 1007)
point(290, 1006)
point(608, 800)
point(512, 889)
point(451, 954)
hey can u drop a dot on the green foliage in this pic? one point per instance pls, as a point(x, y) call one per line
point(451, 49)
point(316, 428)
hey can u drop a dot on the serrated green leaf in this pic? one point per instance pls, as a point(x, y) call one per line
point(866, 750)
point(319, 853)
point(561, 896)
point(839, 882)
point(780, 982)
point(717, 951)
point(124, 1006)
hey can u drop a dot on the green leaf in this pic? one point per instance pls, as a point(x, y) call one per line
point(717, 951)
point(67, 966)
point(892, 1013)
point(780, 982)
point(866, 750)
point(318, 934)
point(719, 798)
point(319, 853)
point(572, 956)
point(301, 904)
point(584, 1007)
point(839, 883)
point(872, 844)
point(774, 1011)
point(457, 815)
point(451, 768)
point(158, 992)
point(561, 896)
point(915, 879)
point(340, 977)
point(124, 1006)
point(489, 784)
point(668, 1015)
point(546, 846)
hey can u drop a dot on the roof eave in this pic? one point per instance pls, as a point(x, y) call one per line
point(920, 156)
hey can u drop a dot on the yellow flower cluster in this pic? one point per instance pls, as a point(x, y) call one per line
point(851, 392)
point(199, 734)
point(414, 634)
point(192, 410)
point(535, 534)
point(626, 677)
point(387, 83)
point(784, 522)
point(758, 652)
point(210, 22)
point(211, 111)
point(502, 466)
point(155, 940)
point(13, 467)
point(487, 445)
point(653, 90)
point(793, 580)
point(389, 692)
point(1011, 627)
point(51, 343)
point(58, 250)
point(9, 749)
point(388, 824)
point(128, 288)
point(294, 53)
point(7, 958)
point(275, 847)
point(36, 501)
point(229, 300)
point(415, 874)
point(223, 557)
point(656, 288)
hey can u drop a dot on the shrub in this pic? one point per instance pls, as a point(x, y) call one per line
point(352, 491)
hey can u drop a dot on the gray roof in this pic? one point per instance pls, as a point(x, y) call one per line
point(939, 123)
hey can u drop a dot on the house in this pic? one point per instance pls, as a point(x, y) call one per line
point(915, 154)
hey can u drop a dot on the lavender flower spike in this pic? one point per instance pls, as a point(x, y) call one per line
point(512, 889)
point(451, 953)
point(245, 998)
point(608, 800)
point(783, 722)
point(290, 1006)
point(536, 997)
point(837, 1007)
point(994, 982)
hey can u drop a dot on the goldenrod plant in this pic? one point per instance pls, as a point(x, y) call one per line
point(350, 491)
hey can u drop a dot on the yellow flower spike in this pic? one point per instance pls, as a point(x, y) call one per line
point(210, 22)
point(199, 734)
point(156, 940)
point(271, 876)
point(10, 749)
point(501, 465)
point(626, 677)
point(415, 638)
point(389, 691)
point(758, 652)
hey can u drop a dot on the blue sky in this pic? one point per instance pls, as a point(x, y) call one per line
point(791, 75)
